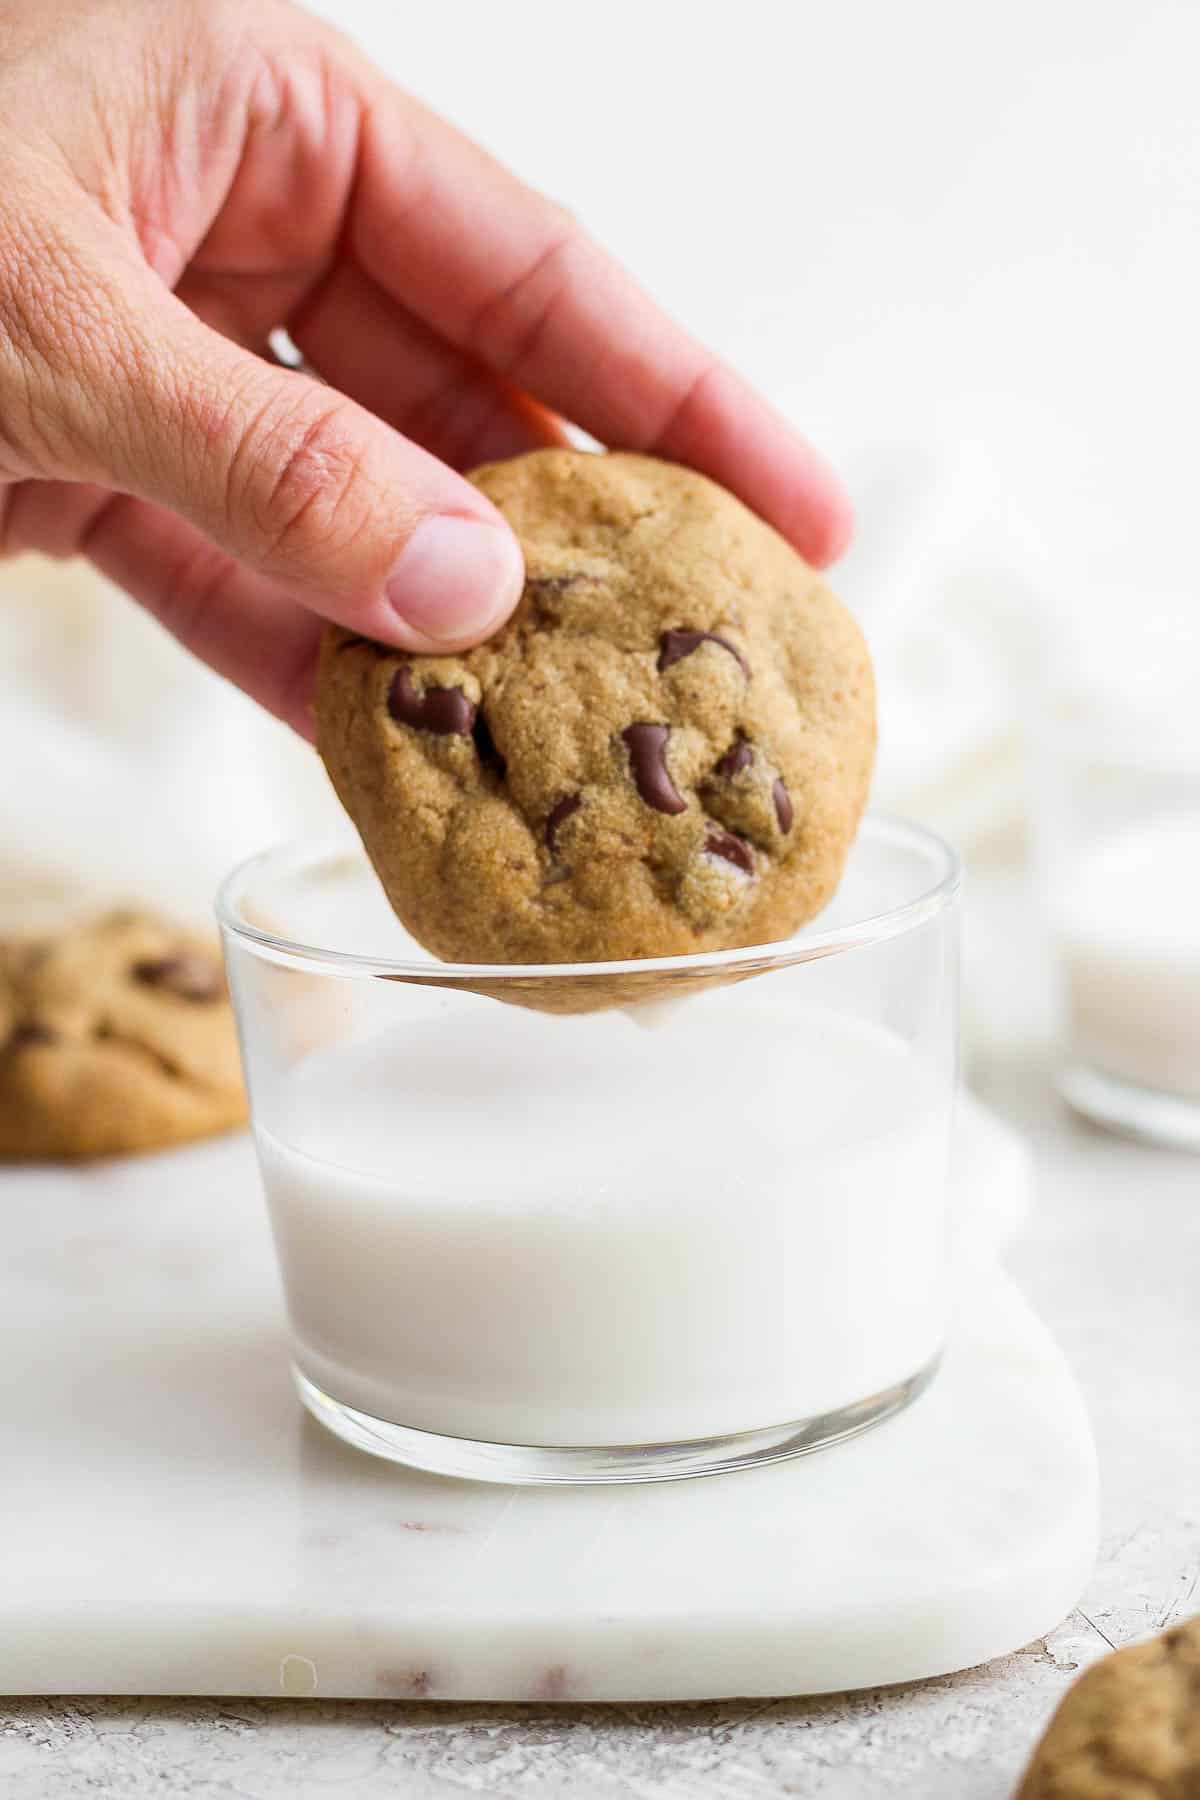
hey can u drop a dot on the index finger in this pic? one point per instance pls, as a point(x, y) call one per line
point(509, 277)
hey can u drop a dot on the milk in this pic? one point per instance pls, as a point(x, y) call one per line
point(577, 1232)
point(1128, 929)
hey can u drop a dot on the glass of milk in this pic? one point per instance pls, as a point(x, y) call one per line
point(606, 1222)
point(1119, 848)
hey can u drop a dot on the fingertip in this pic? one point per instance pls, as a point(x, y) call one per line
point(829, 530)
point(732, 434)
point(455, 582)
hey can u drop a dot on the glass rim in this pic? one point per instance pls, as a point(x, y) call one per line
point(875, 928)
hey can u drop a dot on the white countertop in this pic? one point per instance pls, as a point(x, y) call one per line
point(1111, 1260)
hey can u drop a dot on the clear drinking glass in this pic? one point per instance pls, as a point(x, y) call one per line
point(605, 1222)
point(1118, 821)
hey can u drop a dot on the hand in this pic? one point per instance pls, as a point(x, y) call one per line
point(180, 178)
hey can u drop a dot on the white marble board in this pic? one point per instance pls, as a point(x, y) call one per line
point(171, 1523)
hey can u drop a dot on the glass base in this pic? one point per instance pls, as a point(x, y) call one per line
point(1154, 1118)
point(532, 1465)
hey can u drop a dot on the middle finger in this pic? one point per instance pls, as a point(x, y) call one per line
point(372, 349)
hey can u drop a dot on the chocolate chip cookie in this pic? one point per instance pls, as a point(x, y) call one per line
point(1129, 1729)
point(667, 749)
point(117, 1035)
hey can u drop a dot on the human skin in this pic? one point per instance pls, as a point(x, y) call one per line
point(182, 177)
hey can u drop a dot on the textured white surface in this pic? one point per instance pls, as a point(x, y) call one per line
point(170, 1523)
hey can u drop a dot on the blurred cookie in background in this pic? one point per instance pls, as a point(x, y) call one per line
point(1129, 1729)
point(116, 1036)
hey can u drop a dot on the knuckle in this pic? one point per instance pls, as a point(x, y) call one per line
point(561, 219)
point(452, 418)
point(686, 402)
point(507, 329)
point(193, 587)
point(300, 471)
point(461, 421)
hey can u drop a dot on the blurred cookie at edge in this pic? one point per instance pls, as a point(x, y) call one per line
point(116, 1036)
point(1129, 1729)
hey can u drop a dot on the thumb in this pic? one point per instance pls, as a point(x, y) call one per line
point(295, 481)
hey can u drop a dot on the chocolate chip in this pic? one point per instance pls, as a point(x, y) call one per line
point(734, 849)
point(783, 805)
point(545, 593)
point(485, 745)
point(739, 756)
point(558, 815)
point(647, 746)
point(28, 1033)
point(445, 711)
point(675, 645)
point(186, 974)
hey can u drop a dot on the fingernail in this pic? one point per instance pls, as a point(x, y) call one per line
point(456, 579)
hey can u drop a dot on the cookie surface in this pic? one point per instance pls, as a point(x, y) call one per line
point(1129, 1729)
point(666, 750)
point(116, 1035)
